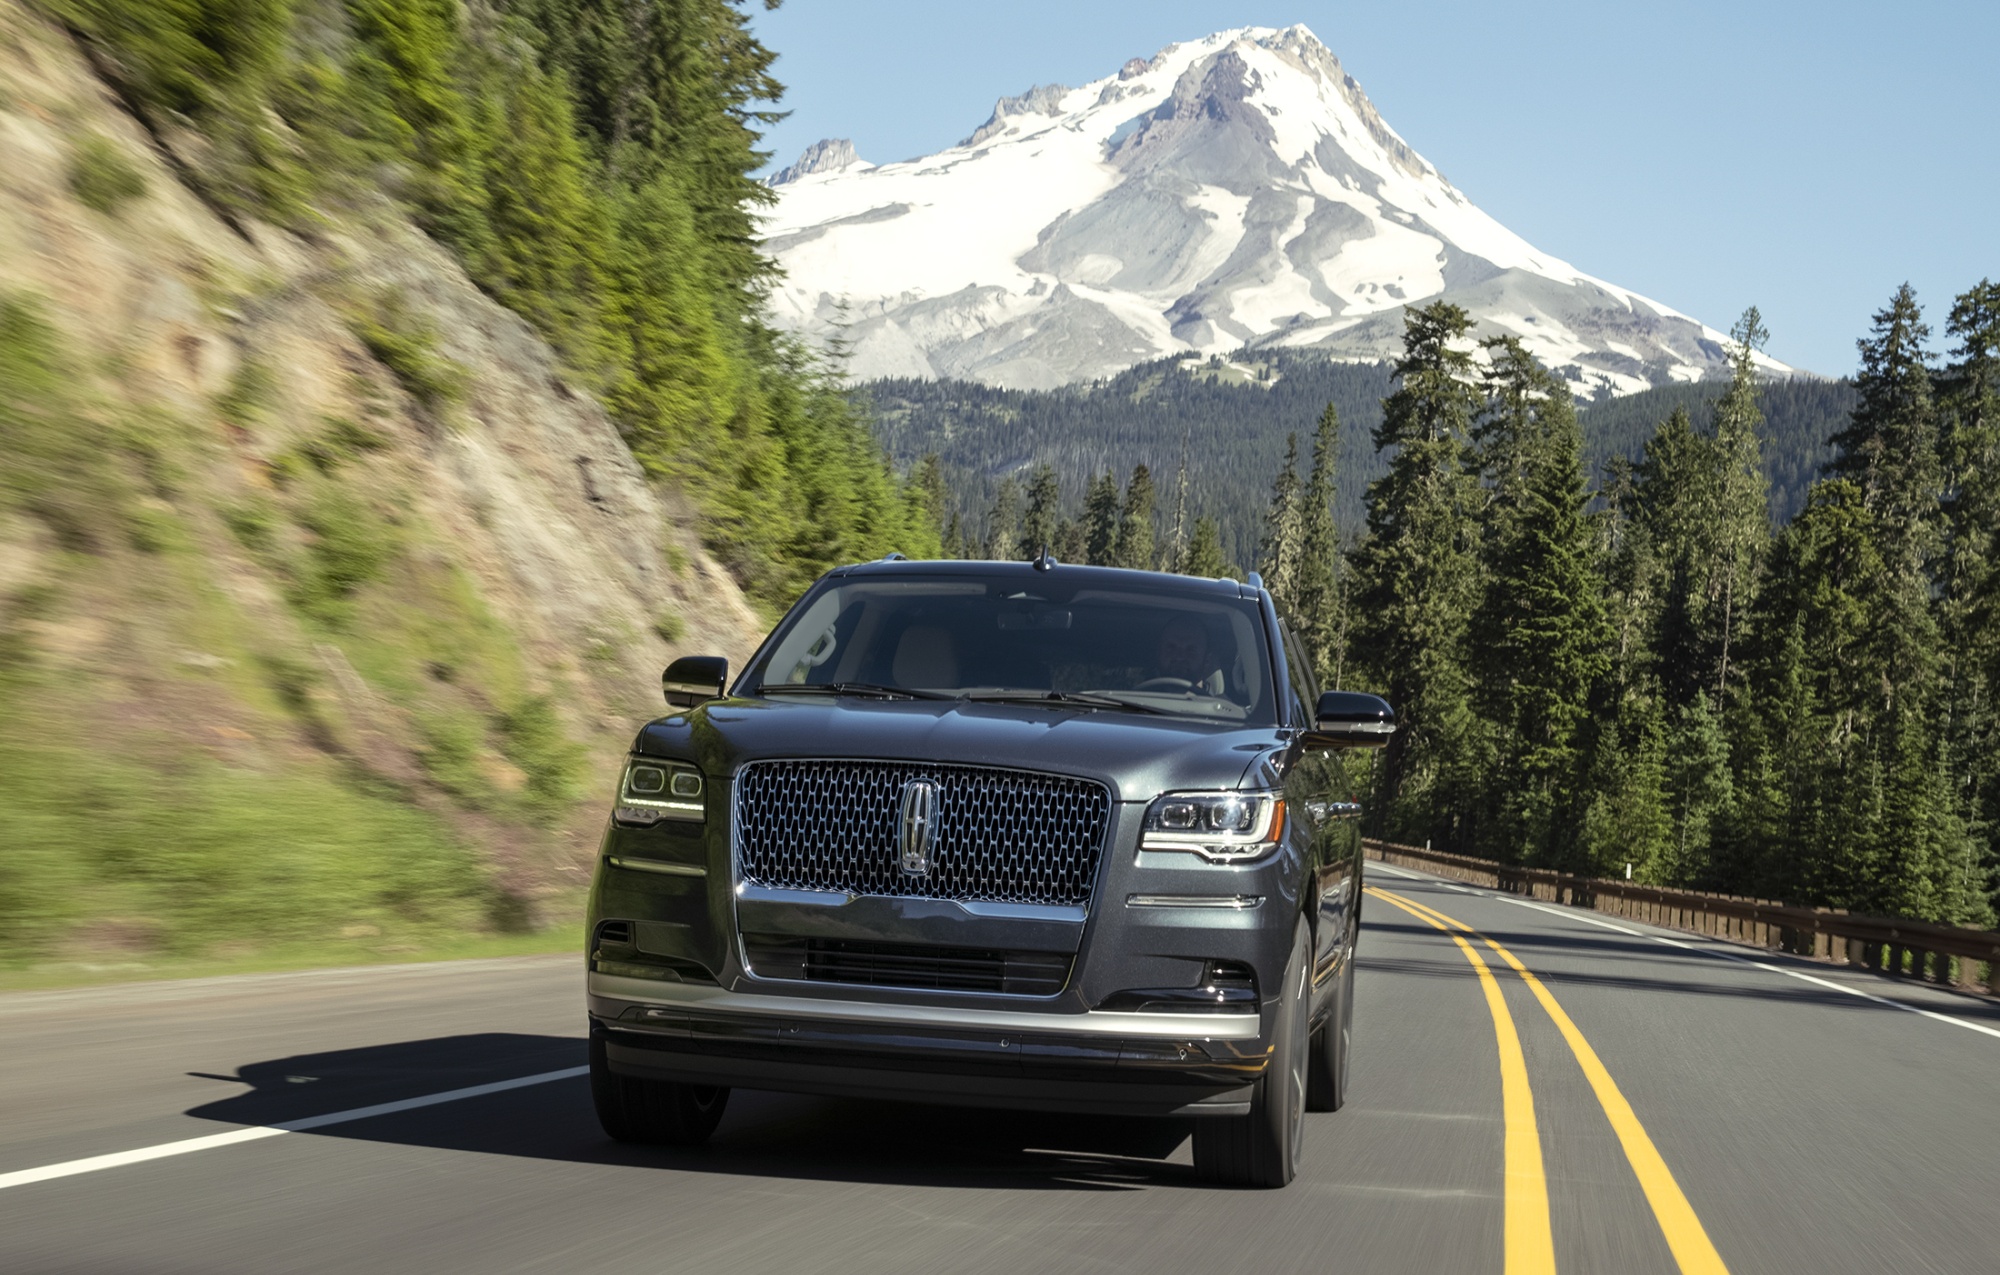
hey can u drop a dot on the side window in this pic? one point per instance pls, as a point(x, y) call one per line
point(1304, 687)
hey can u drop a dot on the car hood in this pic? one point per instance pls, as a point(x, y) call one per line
point(1138, 756)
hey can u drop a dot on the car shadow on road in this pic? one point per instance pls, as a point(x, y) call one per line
point(763, 1134)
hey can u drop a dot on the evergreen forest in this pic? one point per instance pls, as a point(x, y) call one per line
point(1233, 415)
point(1647, 668)
point(590, 163)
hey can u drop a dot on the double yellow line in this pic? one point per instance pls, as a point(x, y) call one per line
point(1530, 1245)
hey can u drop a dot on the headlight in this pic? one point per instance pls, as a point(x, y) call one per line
point(656, 790)
point(1224, 827)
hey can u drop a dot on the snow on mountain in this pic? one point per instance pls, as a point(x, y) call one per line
point(1239, 190)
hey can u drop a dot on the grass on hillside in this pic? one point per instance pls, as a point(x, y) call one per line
point(189, 786)
point(554, 940)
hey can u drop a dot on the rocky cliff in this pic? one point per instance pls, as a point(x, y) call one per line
point(296, 512)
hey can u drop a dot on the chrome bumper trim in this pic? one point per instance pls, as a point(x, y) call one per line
point(661, 866)
point(840, 898)
point(1234, 902)
point(1097, 1022)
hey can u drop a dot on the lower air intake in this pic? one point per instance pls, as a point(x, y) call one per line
point(916, 966)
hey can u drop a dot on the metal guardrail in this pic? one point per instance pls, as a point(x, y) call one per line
point(1949, 955)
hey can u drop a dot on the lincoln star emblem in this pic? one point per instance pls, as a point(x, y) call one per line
point(916, 829)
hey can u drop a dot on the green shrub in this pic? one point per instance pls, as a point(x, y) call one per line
point(450, 753)
point(532, 738)
point(207, 855)
point(406, 345)
point(670, 626)
point(291, 680)
point(255, 524)
point(252, 390)
point(101, 176)
point(54, 461)
point(340, 441)
point(349, 546)
point(153, 529)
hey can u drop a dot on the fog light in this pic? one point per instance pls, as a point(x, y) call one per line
point(642, 815)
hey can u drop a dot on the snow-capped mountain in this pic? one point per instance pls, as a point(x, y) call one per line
point(1237, 190)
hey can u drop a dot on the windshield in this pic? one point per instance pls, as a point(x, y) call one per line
point(980, 639)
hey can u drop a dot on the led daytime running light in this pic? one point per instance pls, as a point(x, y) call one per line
point(1223, 827)
point(652, 791)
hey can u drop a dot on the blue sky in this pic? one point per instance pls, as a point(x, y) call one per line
point(1804, 157)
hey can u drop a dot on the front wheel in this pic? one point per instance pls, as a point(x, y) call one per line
point(652, 1112)
point(1261, 1149)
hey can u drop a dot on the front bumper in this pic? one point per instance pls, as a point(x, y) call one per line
point(1090, 1061)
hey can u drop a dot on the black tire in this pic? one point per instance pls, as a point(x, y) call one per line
point(1261, 1149)
point(652, 1112)
point(1326, 1076)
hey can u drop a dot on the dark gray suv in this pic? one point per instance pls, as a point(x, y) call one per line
point(999, 834)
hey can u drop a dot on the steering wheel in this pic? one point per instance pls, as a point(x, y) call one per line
point(1165, 684)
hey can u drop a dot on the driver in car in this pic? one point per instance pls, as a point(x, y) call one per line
point(1183, 659)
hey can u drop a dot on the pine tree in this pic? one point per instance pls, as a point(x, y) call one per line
point(1543, 640)
point(683, 79)
point(1003, 523)
point(1100, 521)
point(1278, 551)
point(1742, 527)
point(1969, 623)
point(1822, 653)
point(1315, 588)
point(1203, 556)
point(1039, 525)
point(1177, 541)
point(1890, 447)
point(1673, 501)
point(1418, 579)
point(1625, 810)
point(1135, 523)
point(1072, 543)
point(933, 498)
point(1865, 814)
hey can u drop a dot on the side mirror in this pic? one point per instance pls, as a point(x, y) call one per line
point(693, 680)
point(1349, 719)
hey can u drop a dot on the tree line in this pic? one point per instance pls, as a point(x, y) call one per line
point(1649, 669)
point(1233, 416)
point(590, 164)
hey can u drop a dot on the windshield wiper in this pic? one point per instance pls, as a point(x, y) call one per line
point(1080, 699)
point(847, 688)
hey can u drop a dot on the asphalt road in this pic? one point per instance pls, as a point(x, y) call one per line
point(1805, 1129)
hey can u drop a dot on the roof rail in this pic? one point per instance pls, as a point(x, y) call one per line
point(1255, 581)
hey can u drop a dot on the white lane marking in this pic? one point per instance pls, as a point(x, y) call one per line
point(160, 1151)
point(1392, 870)
point(1574, 915)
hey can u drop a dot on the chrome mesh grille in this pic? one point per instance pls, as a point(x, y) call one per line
point(1003, 836)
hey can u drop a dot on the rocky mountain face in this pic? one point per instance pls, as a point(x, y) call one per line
point(829, 155)
point(307, 513)
point(1236, 191)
